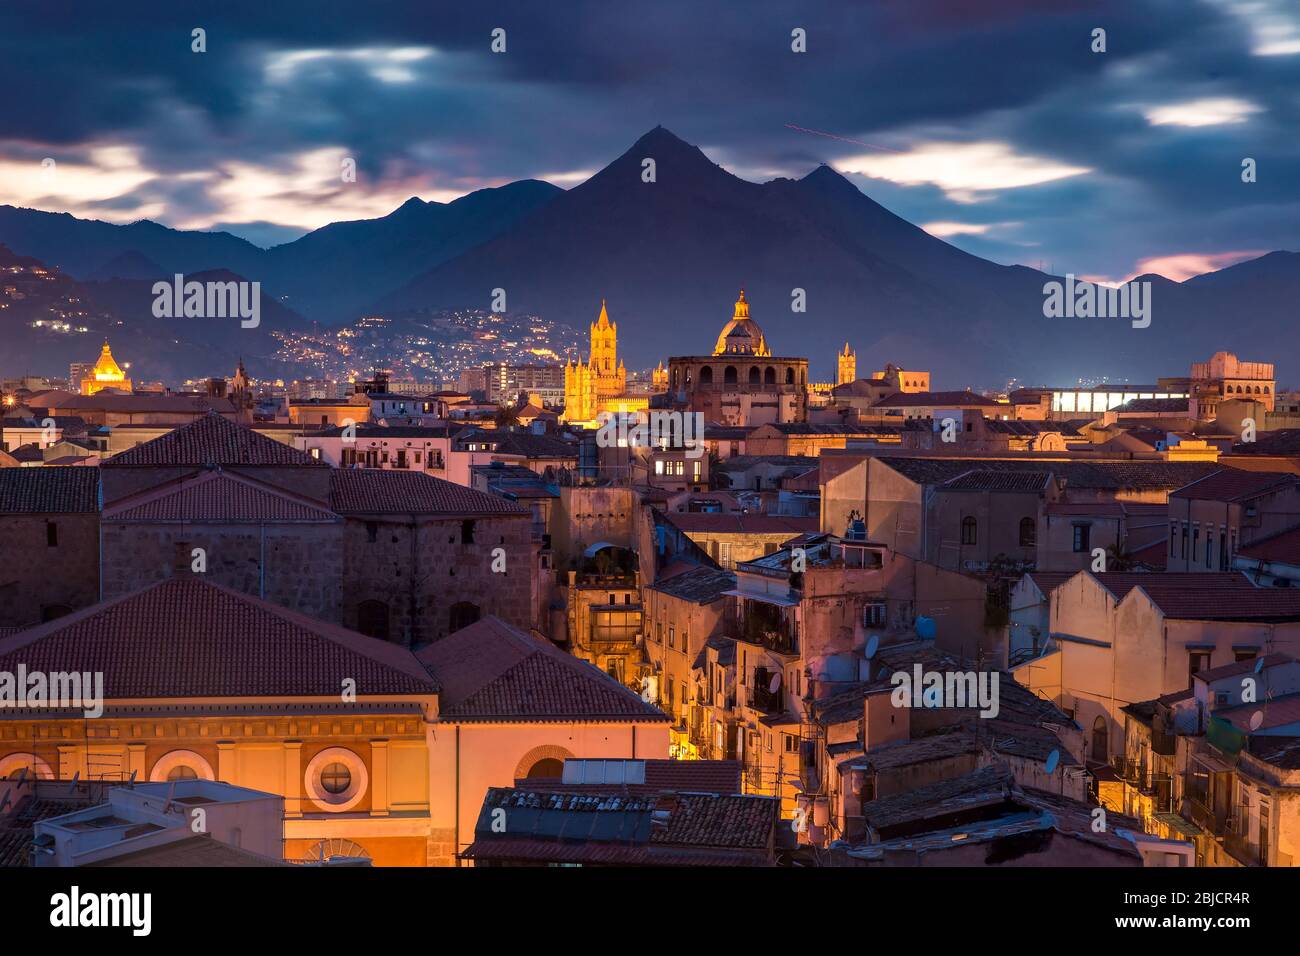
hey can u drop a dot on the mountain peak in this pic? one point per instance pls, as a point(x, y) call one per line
point(826, 177)
point(661, 137)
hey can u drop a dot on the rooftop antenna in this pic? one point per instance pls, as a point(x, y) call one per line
point(171, 794)
point(72, 787)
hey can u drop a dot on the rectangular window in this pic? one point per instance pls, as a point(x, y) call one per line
point(1184, 541)
point(1173, 540)
point(51, 534)
point(874, 614)
point(1082, 538)
point(1197, 661)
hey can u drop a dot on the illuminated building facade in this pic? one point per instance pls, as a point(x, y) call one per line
point(599, 384)
point(847, 366)
point(105, 374)
point(741, 383)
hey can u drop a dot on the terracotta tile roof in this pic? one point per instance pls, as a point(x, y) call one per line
point(1193, 596)
point(212, 440)
point(1119, 583)
point(492, 671)
point(700, 585)
point(52, 489)
point(381, 491)
point(141, 403)
point(1236, 484)
point(186, 637)
point(535, 446)
point(1280, 441)
point(703, 522)
point(1247, 603)
point(1278, 712)
point(217, 496)
point(980, 479)
point(1280, 548)
point(1106, 475)
point(1240, 667)
point(639, 830)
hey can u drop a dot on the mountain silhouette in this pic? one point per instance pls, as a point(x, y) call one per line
point(668, 244)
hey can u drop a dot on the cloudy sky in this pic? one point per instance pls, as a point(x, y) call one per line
point(992, 123)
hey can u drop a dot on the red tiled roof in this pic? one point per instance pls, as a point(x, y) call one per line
point(186, 637)
point(980, 479)
point(1272, 713)
point(1226, 604)
point(52, 489)
point(1241, 667)
point(1119, 583)
point(1280, 548)
point(212, 440)
point(492, 671)
point(643, 829)
point(217, 496)
point(382, 491)
point(713, 523)
point(1235, 484)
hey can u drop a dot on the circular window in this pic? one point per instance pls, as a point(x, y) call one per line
point(181, 765)
point(336, 779)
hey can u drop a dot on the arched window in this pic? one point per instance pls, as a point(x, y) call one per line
point(1100, 741)
point(462, 614)
point(1028, 532)
point(706, 375)
point(548, 768)
point(968, 530)
point(372, 619)
point(755, 376)
point(769, 376)
point(789, 376)
point(729, 375)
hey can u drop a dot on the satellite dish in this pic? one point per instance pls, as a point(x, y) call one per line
point(873, 645)
point(774, 684)
point(925, 628)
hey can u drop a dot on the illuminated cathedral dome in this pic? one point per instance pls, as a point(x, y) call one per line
point(105, 374)
point(741, 336)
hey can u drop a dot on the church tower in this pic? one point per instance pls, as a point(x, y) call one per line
point(848, 366)
point(610, 375)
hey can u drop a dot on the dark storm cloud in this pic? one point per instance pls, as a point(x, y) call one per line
point(251, 130)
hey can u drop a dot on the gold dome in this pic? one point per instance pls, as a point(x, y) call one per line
point(741, 336)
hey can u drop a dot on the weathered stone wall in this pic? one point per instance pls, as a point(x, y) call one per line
point(381, 555)
point(35, 576)
point(298, 566)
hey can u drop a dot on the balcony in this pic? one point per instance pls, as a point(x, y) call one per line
point(1238, 844)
